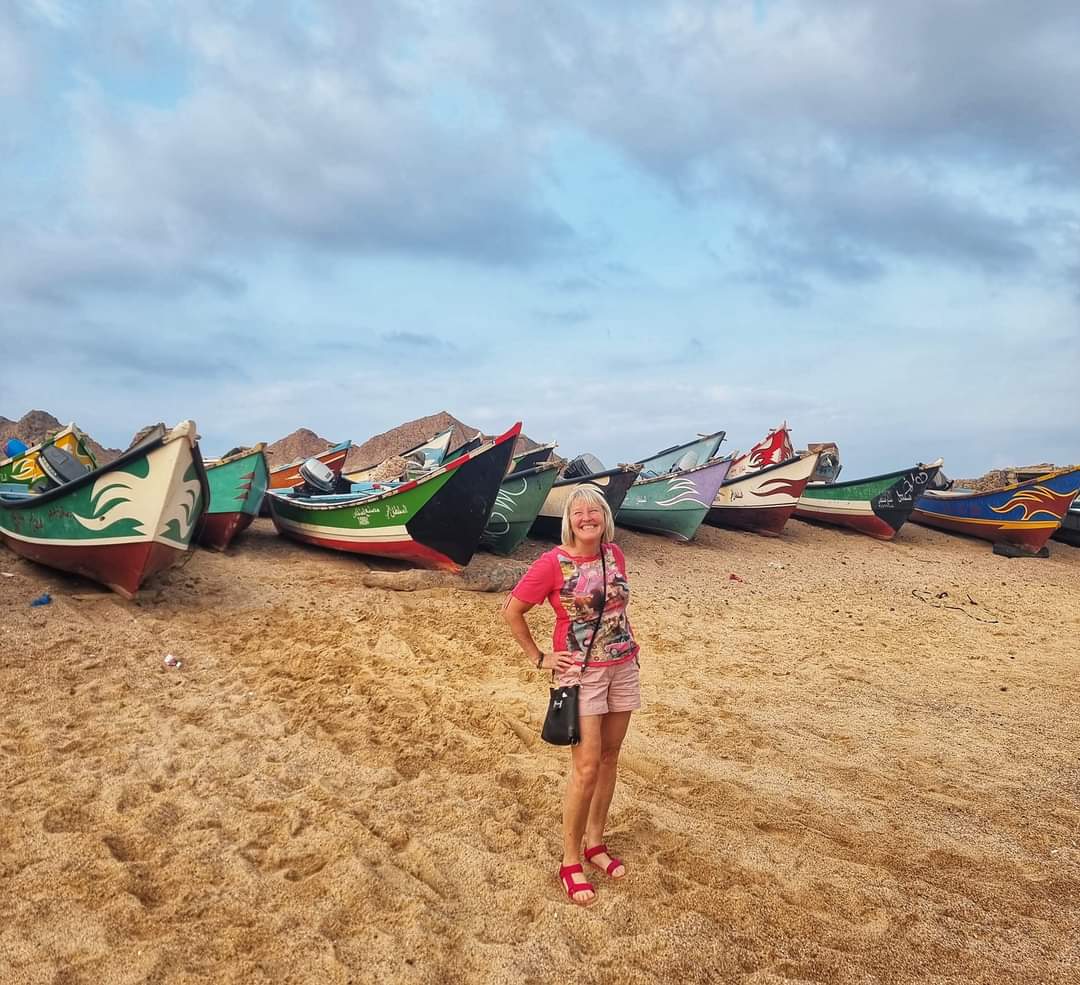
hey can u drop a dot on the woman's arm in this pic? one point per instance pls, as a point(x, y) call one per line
point(514, 616)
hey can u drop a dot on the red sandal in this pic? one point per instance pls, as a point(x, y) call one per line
point(573, 886)
point(591, 853)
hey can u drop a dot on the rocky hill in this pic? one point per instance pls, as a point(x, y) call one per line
point(36, 425)
point(302, 443)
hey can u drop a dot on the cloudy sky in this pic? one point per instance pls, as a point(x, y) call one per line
point(621, 222)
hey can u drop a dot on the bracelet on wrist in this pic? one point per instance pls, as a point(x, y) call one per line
point(540, 661)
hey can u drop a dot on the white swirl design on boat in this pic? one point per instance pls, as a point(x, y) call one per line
point(498, 523)
point(682, 490)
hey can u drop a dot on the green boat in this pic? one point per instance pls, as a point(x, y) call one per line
point(434, 521)
point(877, 506)
point(238, 483)
point(120, 523)
point(520, 497)
point(23, 471)
point(675, 503)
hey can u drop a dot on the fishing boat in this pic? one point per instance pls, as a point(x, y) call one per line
point(23, 471)
point(762, 499)
point(287, 476)
point(877, 506)
point(613, 483)
point(1069, 531)
point(530, 459)
point(434, 521)
point(685, 456)
point(237, 483)
point(1022, 515)
point(428, 454)
point(676, 503)
point(521, 494)
point(120, 523)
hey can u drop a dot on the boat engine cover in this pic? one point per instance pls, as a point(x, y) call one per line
point(60, 466)
point(317, 475)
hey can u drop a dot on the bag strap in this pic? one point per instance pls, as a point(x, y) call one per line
point(603, 602)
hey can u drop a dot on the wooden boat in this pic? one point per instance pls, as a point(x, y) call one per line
point(1022, 515)
point(23, 471)
point(120, 523)
point(762, 500)
point(1069, 531)
point(520, 497)
point(237, 483)
point(877, 506)
point(434, 521)
point(287, 476)
point(675, 503)
point(686, 456)
point(428, 454)
point(530, 459)
point(613, 483)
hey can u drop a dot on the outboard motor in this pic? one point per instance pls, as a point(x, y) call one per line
point(582, 466)
point(60, 467)
point(318, 478)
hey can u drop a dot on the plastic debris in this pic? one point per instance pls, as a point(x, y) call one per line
point(171, 661)
point(7, 574)
point(41, 600)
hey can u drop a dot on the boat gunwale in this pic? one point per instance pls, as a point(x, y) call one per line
point(898, 474)
point(954, 495)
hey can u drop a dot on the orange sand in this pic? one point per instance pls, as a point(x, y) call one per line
point(833, 780)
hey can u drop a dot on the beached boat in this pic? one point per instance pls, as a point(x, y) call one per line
point(120, 523)
point(434, 521)
point(762, 500)
point(237, 483)
point(520, 497)
point(530, 459)
point(1022, 515)
point(428, 454)
point(1069, 531)
point(676, 503)
point(613, 483)
point(686, 456)
point(23, 471)
point(877, 506)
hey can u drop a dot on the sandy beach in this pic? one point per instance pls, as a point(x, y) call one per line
point(857, 763)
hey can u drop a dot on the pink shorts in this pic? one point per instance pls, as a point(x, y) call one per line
point(605, 689)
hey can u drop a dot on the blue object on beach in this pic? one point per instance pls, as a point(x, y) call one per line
point(14, 447)
point(41, 600)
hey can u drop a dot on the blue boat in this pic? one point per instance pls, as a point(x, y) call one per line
point(693, 453)
point(1022, 515)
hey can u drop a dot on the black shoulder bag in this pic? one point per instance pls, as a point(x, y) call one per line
point(561, 726)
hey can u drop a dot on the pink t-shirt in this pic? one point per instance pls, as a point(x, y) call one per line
point(573, 587)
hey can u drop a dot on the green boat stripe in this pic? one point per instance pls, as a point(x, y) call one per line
point(357, 534)
point(95, 541)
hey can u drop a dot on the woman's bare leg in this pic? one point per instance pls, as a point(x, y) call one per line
point(613, 727)
point(580, 786)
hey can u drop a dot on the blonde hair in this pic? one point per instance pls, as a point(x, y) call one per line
point(594, 497)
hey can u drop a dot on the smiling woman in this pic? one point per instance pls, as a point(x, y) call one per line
point(584, 580)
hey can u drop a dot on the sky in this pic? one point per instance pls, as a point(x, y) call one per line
point(623, 223)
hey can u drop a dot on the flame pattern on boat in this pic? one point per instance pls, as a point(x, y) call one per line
point(1035, 501)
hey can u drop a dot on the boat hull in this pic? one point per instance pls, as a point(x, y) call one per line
point(762, 502)
point(288, 476)
point(237, 487)
point(1022, 515)
point(120, 524)
point(521, 494)
point(614, 484)
point(687, 456)
point(877, 506)
point(674, 504)
point(433, 522)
